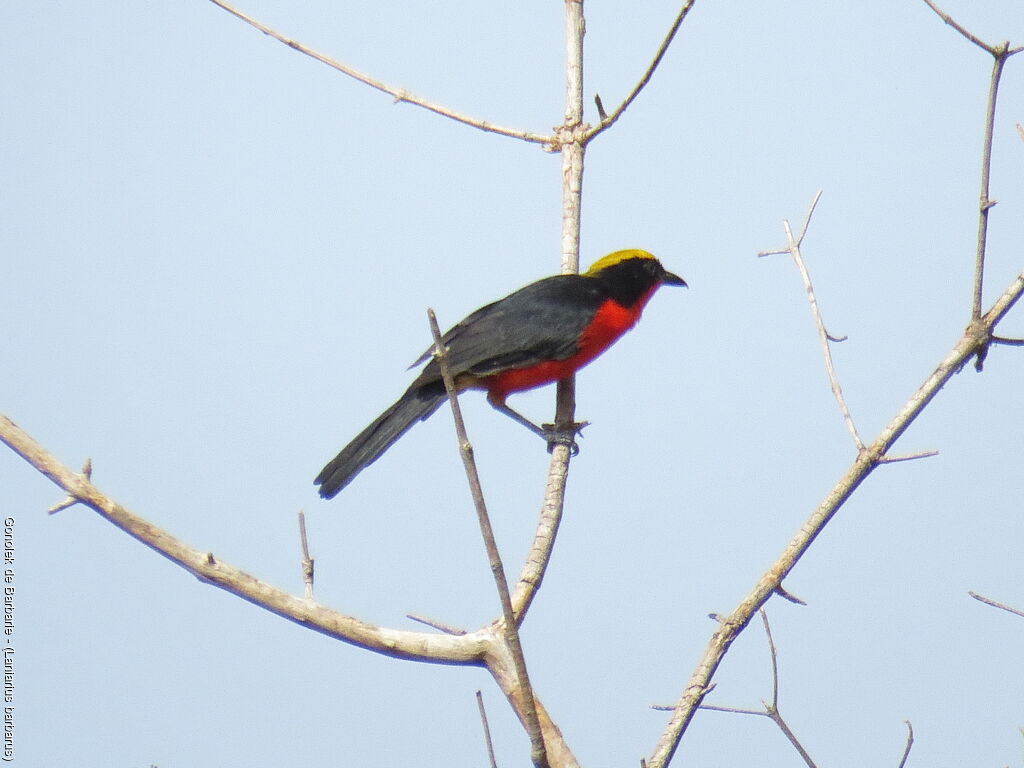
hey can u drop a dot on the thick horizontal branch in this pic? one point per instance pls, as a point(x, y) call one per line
point(420, 646)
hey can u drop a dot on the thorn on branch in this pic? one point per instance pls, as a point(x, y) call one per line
point(600, 107)
point(69, 500)
point(907, 457)
point(781, 592)
point(446, 628)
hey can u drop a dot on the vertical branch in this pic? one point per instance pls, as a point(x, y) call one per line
point(570, 136)
point(515, 647)
point(1000, 54)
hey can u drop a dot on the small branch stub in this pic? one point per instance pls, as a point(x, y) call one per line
point(70, 501)
point(307, 561)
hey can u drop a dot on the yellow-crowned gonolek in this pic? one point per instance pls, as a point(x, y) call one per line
point(542, 333)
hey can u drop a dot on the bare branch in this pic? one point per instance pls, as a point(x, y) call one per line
point(908, 457)
point(418, 646)
point(985, 203)
point(910, 743)
point(487, 730)
point(865, 463)
point(1000, 53)
point(511, 632)
point(995, 604)
point(400, 94)
point(962, 30)
point(607, 121)
point(774, 654)
point(1008, 342)
point(446, 628)
point(793, 249)
point(771, 710)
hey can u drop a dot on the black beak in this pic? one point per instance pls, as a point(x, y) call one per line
point(670, 279)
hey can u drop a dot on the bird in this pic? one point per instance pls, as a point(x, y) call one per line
point(542, 333)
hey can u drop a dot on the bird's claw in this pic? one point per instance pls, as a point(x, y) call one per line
point(564, 436)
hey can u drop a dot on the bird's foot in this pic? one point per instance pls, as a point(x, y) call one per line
point(564, 435)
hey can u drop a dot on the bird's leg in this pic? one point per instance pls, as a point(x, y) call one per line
point(549, 433)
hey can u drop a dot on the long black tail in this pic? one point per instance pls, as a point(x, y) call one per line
point(368, 446)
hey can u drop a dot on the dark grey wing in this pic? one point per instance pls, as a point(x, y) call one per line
point(542, 321)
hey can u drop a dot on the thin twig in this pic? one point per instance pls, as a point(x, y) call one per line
point(608, 121)
point(793, 249)
point(448, 629)
point(487, 730)
point(986, 203)
point(771, 709)
point(1007, 342)
point(995, 604)
point(307, 561)
point(400, 94)
point(910, 743)
point(539, 753)
point(1000, 53)
point(774, 654)
point(955, 25)
point(907, 457)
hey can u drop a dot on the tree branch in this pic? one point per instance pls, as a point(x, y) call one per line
point(418, 646)
point(1000, 53)
point(511, 628)
point(608, 120)
point(400, 94)
point(995, 604)
point(793, 249)
point(975, 336)
point(771, 709)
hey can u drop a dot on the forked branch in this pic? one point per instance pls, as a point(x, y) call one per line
point(1000, 53)
point(975, 336)
point(793, 249)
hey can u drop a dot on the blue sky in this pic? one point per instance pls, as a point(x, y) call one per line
point(217, 255)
